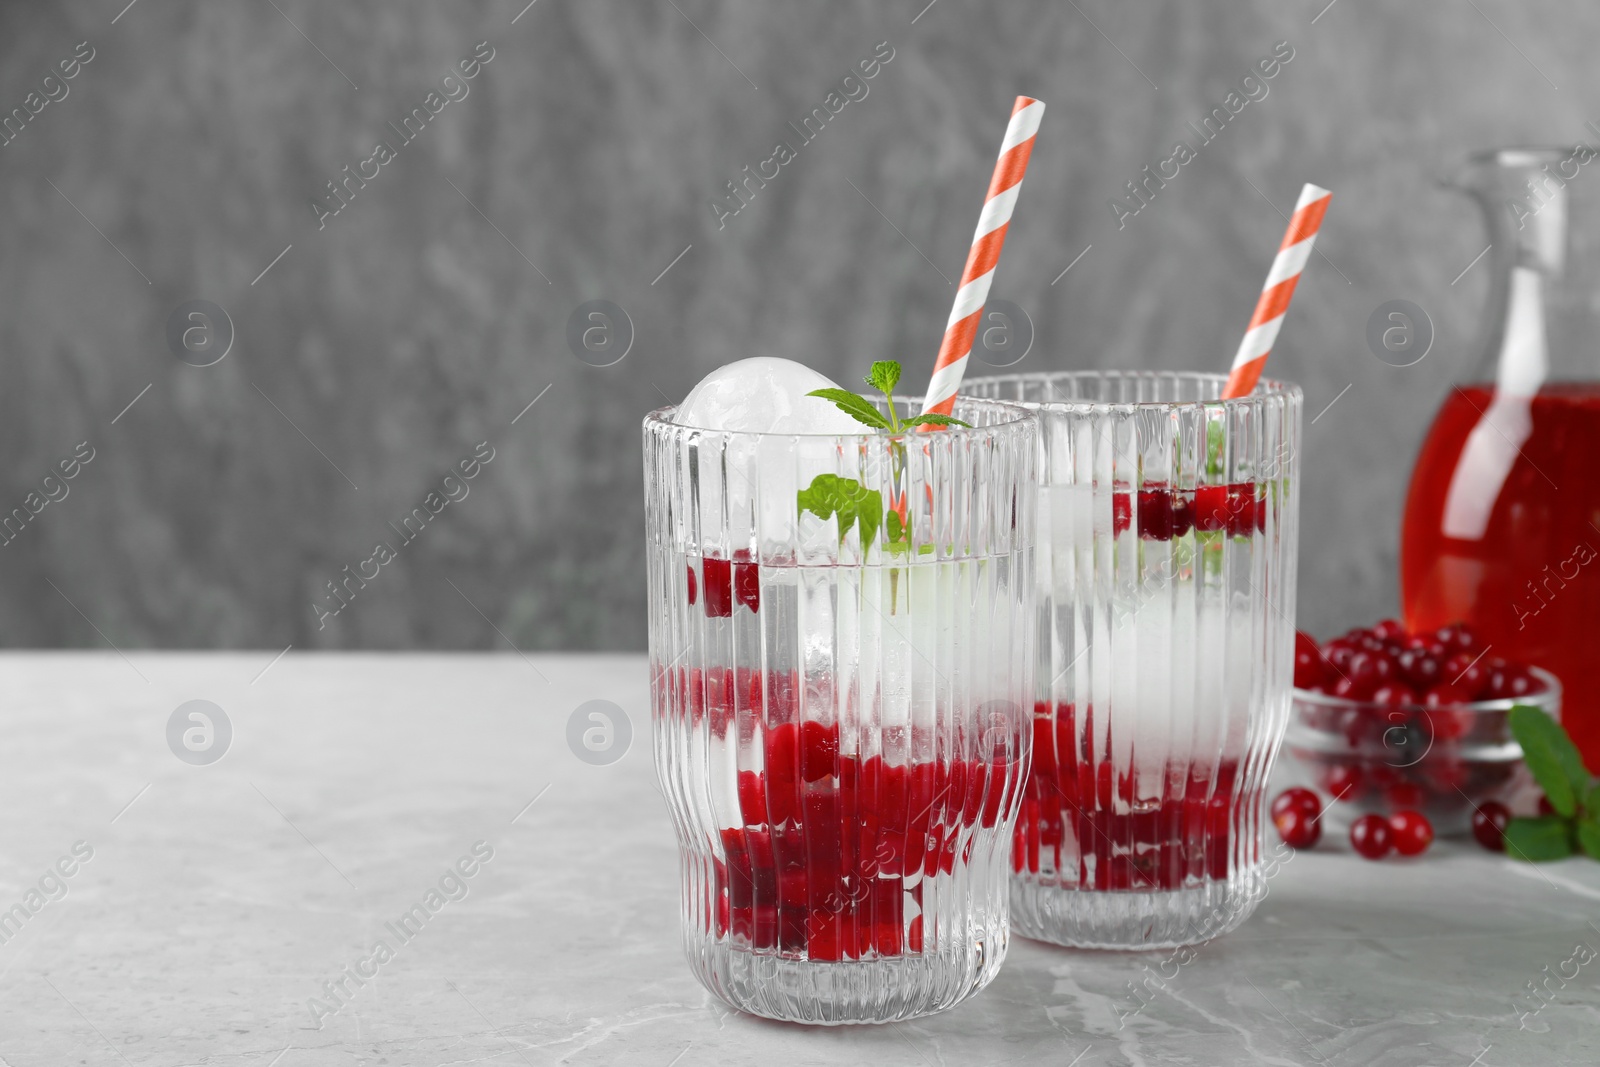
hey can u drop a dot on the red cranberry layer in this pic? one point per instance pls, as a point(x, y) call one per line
point(833, 850)
point(1165, 512)
point(726, 583)
point(1080, 819)
point(719, 587)
point(1237, 508)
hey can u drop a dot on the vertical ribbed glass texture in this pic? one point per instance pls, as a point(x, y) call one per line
point(1168, 523)
point(840, 705)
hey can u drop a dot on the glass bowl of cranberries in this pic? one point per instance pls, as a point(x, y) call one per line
point(1384, 721)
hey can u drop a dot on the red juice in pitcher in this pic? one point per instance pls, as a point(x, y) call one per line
point(1507, 536)
point(1502, 521)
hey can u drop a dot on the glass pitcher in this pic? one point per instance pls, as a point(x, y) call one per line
point(1502, 520)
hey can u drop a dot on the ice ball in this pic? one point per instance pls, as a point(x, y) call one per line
point(765, 395)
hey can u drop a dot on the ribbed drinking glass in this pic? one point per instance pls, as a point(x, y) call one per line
point(1168, 522)
point(841, 665)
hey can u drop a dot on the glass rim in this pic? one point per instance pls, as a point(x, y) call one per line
point(1021, 417)
point(1267, 389)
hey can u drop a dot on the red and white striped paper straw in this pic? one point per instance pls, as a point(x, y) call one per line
point(987, 241)
point(1275, 294)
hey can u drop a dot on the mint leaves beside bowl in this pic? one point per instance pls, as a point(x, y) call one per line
point(1573, 824)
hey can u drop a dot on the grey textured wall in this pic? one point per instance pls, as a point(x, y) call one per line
point(425, 315)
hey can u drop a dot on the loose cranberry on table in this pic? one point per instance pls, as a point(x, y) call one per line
point(1371, 836)
point(1411, 831)
point(1489, 825)
point(1297, 814)
point(1297, 797)
point(1298, 829)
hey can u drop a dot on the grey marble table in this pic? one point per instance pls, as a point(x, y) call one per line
point(208, 906)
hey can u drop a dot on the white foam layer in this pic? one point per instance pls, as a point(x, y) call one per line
point(1154, 635)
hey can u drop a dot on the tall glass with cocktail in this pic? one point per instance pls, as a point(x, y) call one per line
point(841, 637)
point(1168, 534)
point(840, 642)
point(1167, 537)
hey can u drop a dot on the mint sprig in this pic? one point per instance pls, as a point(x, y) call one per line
point(850, 502)
point(1555, 763)
point(884, 376)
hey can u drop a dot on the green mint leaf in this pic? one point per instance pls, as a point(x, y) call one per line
point(1589, 837)
point(869, 513)
point(1591, 801)
point(937, 420)
point(850, 502)
point(884, 376)
point(1538, 840)
point(1552, 758)
point(820, 497)
point(857, 407)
